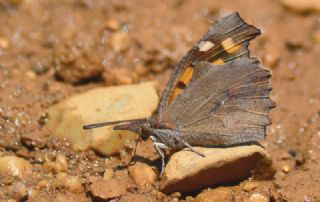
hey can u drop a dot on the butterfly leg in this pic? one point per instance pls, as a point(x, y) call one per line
point(159, 148)
point(173, 139)
point(134, 151)
point(189, 146)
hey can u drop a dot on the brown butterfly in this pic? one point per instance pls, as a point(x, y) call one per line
point(217, 94)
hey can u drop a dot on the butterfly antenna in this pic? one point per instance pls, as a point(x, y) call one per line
point(102, 124)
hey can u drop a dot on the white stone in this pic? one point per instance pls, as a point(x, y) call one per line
point(187, 171)
point(67, 118)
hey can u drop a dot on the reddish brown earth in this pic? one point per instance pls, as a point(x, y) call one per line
point(45, 45)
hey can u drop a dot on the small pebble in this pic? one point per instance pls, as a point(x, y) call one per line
point(19, 191)
point(256, 197)
point(316, 37)
point(112, 24)
point(4, 42)
point(271, 57)
point(34, 139)
point(105, 190)
point(160, 196)
point(39, 157)
point(157, 68)
point(118, 76)
point(175, 195)
point(286, 168)
point(108, 173)
point(72, 183)
point(141, 69)
point(57, 166)
point(14, 166)
point(142, 174)
point(302, 6)
point(31, 75)
point(42, 184)
point(250, 185)
point(67, 197)
point(76, 64)
point(40, 68)
point(120, 41)
point(62, 162)
point(217, 194)
point(189, 198)
point(315, 32)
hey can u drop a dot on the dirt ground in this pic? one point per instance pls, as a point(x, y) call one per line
point(50, 50)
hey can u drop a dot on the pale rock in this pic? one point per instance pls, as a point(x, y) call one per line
point(315, 36)
point(250, 185)
point(62, 163)
point(118, 76)
point(19, 191)
point(142, 174)
point(286, 169)
point(272, 56)
point(67, 118)
point(15, 167)
point(186, 171)
point(217, 194)
point(108, 174)
point(59, 165)
point(136, 197)
point(256, 197)
point(302, 6)
point(66, 197)
point(107, 189)
point(160, 196)
point(76, 64)
point(4, 42)
point(120, 41)
point(112, 24)
point(71, 183)
point(44, 195)
point(42, 184)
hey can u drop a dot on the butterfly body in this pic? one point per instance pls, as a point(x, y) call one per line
point(217, 94)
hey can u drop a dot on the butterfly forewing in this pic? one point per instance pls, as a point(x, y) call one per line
point(226, 40)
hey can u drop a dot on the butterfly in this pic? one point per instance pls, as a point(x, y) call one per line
point(217, 95)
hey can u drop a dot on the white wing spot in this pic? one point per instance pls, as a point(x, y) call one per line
point(229, 45)
point(205, 45)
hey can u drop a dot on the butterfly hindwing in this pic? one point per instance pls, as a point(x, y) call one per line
point(226, 104)
point(226, 40)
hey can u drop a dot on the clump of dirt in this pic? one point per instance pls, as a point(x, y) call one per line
point(50, 50)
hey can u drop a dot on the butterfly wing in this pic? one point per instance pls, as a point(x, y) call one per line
point(226, 40)
point(223, 104)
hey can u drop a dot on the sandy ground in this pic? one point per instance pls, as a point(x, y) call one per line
point(44, 45)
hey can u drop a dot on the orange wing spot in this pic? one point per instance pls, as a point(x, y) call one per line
point(187, 75)
point(234, 49)
point(185, 79)
point(218, 61)
point(229, 45)
point(174, 94)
